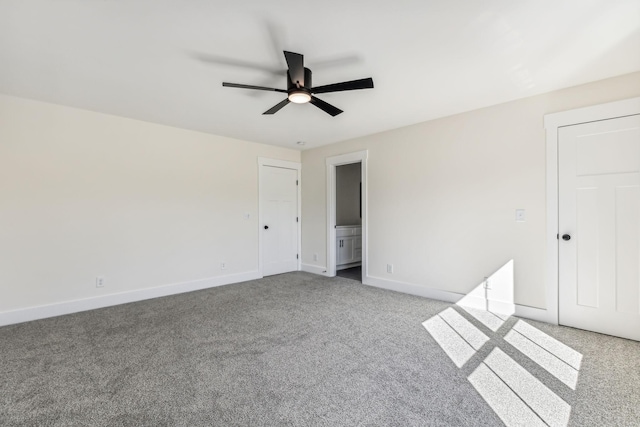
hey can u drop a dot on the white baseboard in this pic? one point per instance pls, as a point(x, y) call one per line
point(494, 306)
point(412, 289)
point(68, 307)
point(524, 311)
point(534, 313)
point(75, 306)
point(315, 269)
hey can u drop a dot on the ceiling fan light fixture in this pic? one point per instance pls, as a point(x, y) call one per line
point(299, 97)
point(300, 87)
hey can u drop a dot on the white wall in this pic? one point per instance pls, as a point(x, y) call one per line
point(442, 194)
point(348, 194)
point(84, 194)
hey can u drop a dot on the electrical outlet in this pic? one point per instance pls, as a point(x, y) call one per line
point(99, 282)
point(315, 257)
point(390, 268)
point(223, 265)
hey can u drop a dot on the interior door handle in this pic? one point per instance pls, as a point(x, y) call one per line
point(566, 237)
point(266, 227)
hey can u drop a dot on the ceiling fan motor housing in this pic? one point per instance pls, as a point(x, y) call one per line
point(291, 86)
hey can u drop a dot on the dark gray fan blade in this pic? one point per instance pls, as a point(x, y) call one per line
point(295, 62)
point(277, 107)
point(327, 108)
point(225, 84)
point(352, 85)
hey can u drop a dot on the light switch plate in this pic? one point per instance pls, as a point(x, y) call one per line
point(519, 215)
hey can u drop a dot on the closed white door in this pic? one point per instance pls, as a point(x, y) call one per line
point(599, 223)
point(279, 228)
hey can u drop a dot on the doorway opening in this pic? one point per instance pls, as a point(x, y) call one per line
point(349, 221)
point(347, 216)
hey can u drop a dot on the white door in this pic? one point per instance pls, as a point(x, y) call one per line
point(599, 223)
point(279, 228)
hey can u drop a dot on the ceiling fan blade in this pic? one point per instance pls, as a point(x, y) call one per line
point(327, 108)
point(277, 107)
point(241, 86)
point(295, 62)
point(352, 85)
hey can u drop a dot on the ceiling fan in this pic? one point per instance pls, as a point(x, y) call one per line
point(299, 87)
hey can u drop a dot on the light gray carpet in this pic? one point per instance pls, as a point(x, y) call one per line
point(295, 349)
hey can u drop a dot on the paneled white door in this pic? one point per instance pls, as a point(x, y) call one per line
point(279, 228)
point(599, 223)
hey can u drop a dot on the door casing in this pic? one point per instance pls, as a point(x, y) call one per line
point(332, 162)
point(552, 123)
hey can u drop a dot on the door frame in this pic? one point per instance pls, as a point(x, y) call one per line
point(332, 162)
point(285, 164)
point(552, 123)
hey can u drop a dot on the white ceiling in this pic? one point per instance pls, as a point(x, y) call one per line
point(163, 61)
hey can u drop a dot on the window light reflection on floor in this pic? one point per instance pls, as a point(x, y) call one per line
point(515, 394)
point(550, 354)
point(456, 335)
